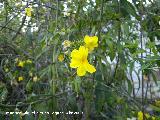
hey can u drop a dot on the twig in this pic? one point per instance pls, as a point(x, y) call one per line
point(23, 21)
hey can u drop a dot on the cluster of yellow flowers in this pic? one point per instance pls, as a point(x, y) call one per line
point(35, 78)
point(79, 57)
point(22, 63)
point(66, 44)
point(28, 11)
point(140, 116)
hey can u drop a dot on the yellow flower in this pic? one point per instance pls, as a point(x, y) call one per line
point(29, 61)
point(21, 115)
point(21, 64)
point(35, 78)
point(153, 118)
point(140, 115)
point(79, 61)
point(20, 78)
point(6, 69)
point(91, 42)
point(66, 43)
point(28, 11)
point(61, 57)
point(147, 115)
point(30, 74)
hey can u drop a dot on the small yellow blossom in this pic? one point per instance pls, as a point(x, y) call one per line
point(153, 118)
point(30, 74)
point(20, 78)
point(35, 78)
point(21, 115)
point(79, 61)
point(66, 43)
point(147, 115)
point(6, 69)
point(28, 11)
point(61, 57)
point(29, 61)
point(140, 115)
point(91, 42)
point(21, 64)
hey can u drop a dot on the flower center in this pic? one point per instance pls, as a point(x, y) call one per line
point(83, 59)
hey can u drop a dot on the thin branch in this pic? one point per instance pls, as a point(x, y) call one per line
point(10, 29)
point(23, 21)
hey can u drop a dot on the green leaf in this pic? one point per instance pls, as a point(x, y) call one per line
point(155, 108)
point(29, 86)
point(30, 115)
point(128, 7)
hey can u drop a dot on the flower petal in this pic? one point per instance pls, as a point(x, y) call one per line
point(90, 68)
point(83, 52)
point(81, 71)
point(74, 53)
point(87, 39)
point(95, 39)
point(74, 63)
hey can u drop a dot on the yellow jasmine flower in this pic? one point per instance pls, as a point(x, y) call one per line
point(147, 115)
point(30, 74)
point(79, 61)
point(66, 43)
point(29, 61)
point(91, 42)
point(61, 57)
point(21, 64)
point(35, 78)
point(140, 115)
point(6, 69)
point(20, 78)
point(28, 11)
point(21, 115)
point(153, 118)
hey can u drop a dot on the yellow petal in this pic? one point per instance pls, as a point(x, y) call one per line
point(91, 42)
point(81, 71)
point(74, 53)
point(21, 64)
point(74, 63)
point(95, 45)
point(28, 11)
point(29, 61)
point(153, 118)
point(140, 115)
point(90, 68)
point(61, 57)
point(83, 52)
point(90, 48)
point(20, 78)
point(95, 39)
point(87, 39)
